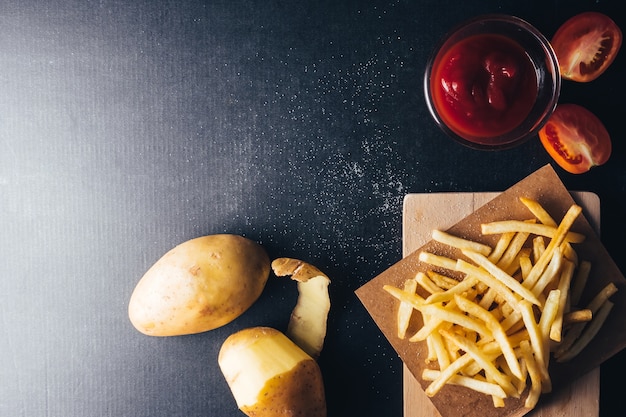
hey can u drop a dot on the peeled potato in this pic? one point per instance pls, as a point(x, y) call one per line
point(199, 285)
point(270, 376)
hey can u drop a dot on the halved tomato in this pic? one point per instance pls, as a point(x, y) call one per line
point(586, 45)
point(576, 139)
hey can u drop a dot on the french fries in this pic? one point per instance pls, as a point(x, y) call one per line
point(515, 306)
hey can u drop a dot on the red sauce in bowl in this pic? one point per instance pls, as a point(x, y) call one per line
point(483, 86)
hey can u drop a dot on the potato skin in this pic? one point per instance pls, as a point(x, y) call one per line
point(199, 285)
point(297, 393)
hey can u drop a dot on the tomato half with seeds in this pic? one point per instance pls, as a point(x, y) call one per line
point(576, 139)
point(586, 45)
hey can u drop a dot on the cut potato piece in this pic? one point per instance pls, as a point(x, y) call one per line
point(270, 376)
point(307, 325)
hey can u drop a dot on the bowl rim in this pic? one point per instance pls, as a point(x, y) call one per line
point(550, 63)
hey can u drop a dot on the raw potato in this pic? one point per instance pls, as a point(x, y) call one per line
point(307, 325)
point(270, 376)
point(199, 285)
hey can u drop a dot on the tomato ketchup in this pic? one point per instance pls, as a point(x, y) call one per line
point(483, 86)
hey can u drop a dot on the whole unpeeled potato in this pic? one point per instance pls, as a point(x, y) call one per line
point(199, 285)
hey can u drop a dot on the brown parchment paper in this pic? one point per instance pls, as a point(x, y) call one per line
point(544, 186)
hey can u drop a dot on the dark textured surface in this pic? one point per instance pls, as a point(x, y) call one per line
point(129, 127)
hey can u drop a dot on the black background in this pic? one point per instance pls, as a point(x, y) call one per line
point(127, 127)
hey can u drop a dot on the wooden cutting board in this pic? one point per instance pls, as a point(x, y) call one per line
point(422, 213)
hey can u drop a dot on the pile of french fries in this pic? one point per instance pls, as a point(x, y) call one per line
point(494, 317)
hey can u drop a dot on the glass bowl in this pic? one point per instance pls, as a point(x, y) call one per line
point(492, 82)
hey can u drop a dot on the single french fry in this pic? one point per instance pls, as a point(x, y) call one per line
point(431, 355)
point(497, 401)
point(538, 211)
point(536, 339)
point(460, 243)
point(534, 373)
point(539, 247)
point(405, 309)
point(567, 272)
point(437, 260)
point(521, 383)
point(577, 316)
point(525, 266)
point(540, 229)
point(546, 321)
point(440, 350)
point(549, 314)
point(604, 294)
